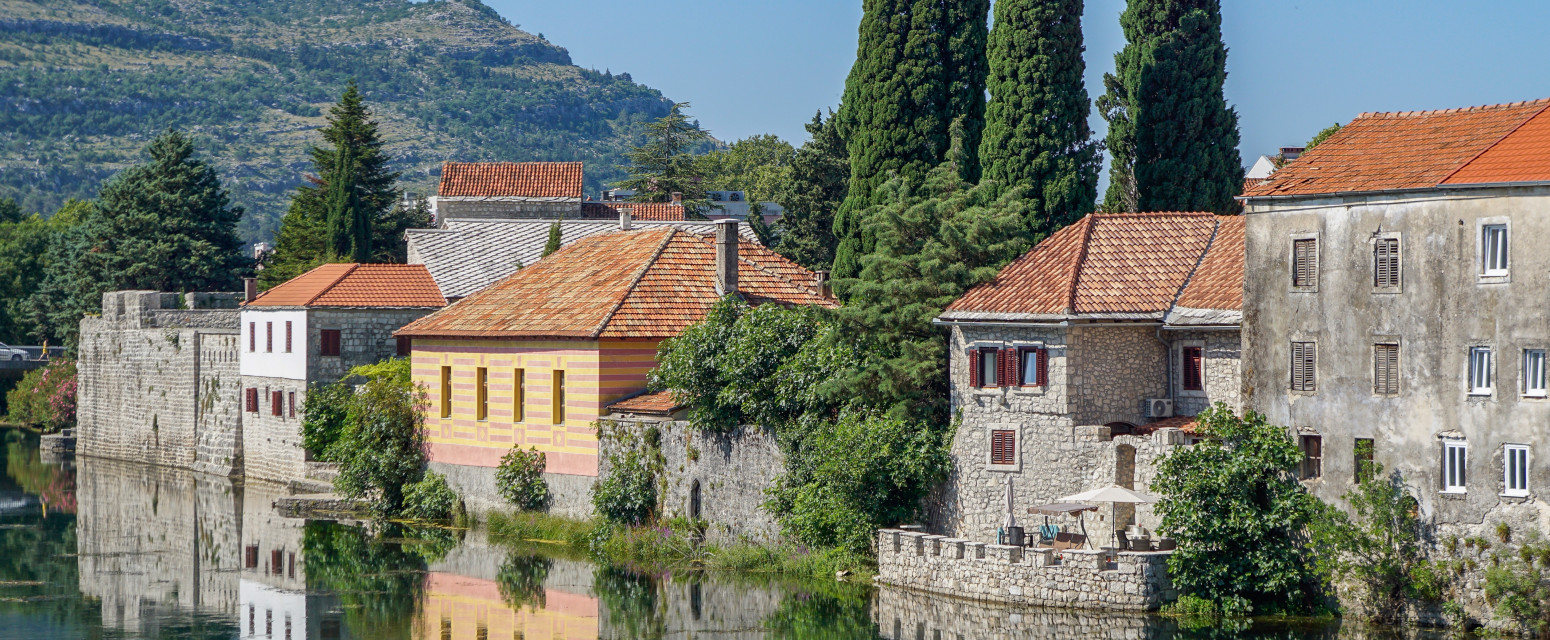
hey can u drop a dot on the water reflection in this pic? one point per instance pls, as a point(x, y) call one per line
point(110, 549)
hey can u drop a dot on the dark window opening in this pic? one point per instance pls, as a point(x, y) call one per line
point(405, 345)
point(330, 342)
point(1364, 453)
point(1194, 380)
point(1312, 457)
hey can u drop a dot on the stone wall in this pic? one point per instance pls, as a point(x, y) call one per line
point(159, 384)
point(1020, 576)
point(1112, 371)
point(729, 472)
point(491, 208)
point(271, 444)
point(1222, 352)
point(902, 614)
point(365, 337)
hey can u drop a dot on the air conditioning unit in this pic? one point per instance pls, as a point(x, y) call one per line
point(1159, 408)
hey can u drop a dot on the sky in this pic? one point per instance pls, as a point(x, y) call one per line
point(1294, 66)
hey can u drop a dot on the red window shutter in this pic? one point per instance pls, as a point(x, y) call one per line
point(276, 403)
point(1043, 370)
point(268, 337)
point(996, 444)
point(1003, 447)
point(287, 336)
point(252, 337)
point(252, 400)
point(291, 400)
point(974, 368)
point(1003, 365)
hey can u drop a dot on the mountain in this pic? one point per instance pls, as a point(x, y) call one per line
point(85, 84)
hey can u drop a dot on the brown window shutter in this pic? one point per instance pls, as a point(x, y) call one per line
point(268, 337)
point(974, 368)
point(1008, 371)
point(1297, 372)
point(1043, 369)
point(287, 336)
point(252, 337)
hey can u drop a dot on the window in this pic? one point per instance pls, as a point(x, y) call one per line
point(252, 400)
point(1385, 369)
point(1193, 378)
point(252, 337)
point(1305, 263)
point(405, 345)
point(985, 363)
point(1033, 365)
point(1003, 446)
point(558, 410)
point(287, 336)
point(1312, 457)
point(1493, 250)
point(1455, 458)
point(276, 403)
point(276, 562)
point(1534, 373)
point(1304, 359)
point(1515, 470)
point(330, 342)
point(291, 402)
point(482, 394)
point(1385, 262)
point(1363, 467)
point(446, 392)
point(268, 337)
point(250, 556)
point(518, 393)
point(1480, 371)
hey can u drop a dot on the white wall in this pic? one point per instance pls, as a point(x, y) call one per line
point(272, 607)
point(278, 363)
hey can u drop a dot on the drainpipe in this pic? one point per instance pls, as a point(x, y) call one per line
point(1167, 362)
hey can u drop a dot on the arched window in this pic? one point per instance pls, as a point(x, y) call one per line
point(694, 499)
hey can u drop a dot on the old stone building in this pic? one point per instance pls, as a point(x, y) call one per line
point(508, 190)
point(1394, 309)
point(313, 329)
point(1081, 362)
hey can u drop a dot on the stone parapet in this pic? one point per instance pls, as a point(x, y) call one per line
point(1123, 581)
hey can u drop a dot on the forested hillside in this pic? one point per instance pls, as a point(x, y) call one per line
point(84, 84)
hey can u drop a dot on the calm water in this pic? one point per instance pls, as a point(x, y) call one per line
point(98, 549)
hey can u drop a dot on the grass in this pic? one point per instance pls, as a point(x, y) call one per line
point(678, 545)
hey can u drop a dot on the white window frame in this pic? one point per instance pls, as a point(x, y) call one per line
point(1480, 379)
point(1515, 470)
point(1495, 249)
point(1535, 383)
point(1455, 466)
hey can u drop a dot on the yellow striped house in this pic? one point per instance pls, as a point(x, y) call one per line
point(534, 359)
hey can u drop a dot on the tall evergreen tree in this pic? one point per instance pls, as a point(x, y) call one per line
point(1036, 133)
point(665, 164)
point(820, 173)
point(920, 65)
point(166, 225)
point(347, 212)
point(1173, 141)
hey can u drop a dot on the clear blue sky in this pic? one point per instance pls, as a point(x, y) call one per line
point(1294, 66)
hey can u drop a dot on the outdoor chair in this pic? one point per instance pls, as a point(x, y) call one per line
point(1124, 540)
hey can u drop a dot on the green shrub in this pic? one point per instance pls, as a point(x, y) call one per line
point(430, 499)
point(628, 495)
point(383, 447)
point(45, 398)
point(1379, 550)
point(1519, 590)
point(324, 416)
point(520, 479)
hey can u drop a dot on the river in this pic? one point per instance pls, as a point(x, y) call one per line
point(103, 549)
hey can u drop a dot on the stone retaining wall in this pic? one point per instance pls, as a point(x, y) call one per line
point(902, 614)
point(1135, 581)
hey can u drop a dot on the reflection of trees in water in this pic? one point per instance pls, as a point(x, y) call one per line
point(822, 615)
point(521, 580)
point(632, 603)
point(380, 580)
point(23, 465)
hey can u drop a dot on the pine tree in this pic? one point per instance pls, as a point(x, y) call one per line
point(1173, 141)
point(347, 211)
point(554, 242)
point(1036, 133)
point(820, 172)
point(920, 65)
point(665, 164)
point(166, 225)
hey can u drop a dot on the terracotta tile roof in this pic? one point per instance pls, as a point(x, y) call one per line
point(649, 211)
point(511, 179)
point(629, 284)
point(1186, 424)
point(356, 285)
point(1103, 265)
point(1218, 282)
point(1421, 149)
point(660, 403)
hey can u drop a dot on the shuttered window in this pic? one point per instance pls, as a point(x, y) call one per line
point(1194, 361)
point(330, 342)
point(276, 403)
point(405, 345)
point(1033, 367)
point(558, 408)
point(252, 400)
point(446, 392)
point(1385, 369)
point(287, 336)
point(1003, 446)
point(1305, 263)
point(1385, 262)
point(268, 337)
point(482, 394)
point(1304, 371)
point(1312, 457)
point(518, 391)
point(290, 401)
point(252, 337)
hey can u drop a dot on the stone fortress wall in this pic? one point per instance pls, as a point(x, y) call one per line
point(1135, 581)
point(902, 614)
point(158, 381)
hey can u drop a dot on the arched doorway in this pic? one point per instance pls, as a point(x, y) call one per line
point(694, 499)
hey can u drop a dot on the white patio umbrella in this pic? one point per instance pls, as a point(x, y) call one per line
point(1111, 493)
point(1010, 521)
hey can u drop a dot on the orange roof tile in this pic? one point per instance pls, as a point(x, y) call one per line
point(660, 403)
point(630, 284)
point(1104, 264)
point(511, 179)
point(1421, 149)
point(356, 285)
point(1187, 424)
point(1218, 282)
point(638, 210)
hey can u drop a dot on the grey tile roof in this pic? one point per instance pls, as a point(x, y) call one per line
point(467, 255)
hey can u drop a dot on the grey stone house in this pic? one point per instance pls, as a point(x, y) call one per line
point(1081, 362)
point(313, 329)
point(508, 190)
point(1395, 309)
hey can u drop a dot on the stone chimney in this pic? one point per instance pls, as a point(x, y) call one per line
point(626, 219)
point(726, 256)
point(824, 289)
point(249, 289)
point(678, 198)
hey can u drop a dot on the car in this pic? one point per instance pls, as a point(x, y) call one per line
point(8, 352)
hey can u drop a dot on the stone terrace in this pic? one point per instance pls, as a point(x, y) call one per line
point(1135, 581)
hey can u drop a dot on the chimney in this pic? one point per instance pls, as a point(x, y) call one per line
point(1291, 153)
point(678, 198)
point(249, 289)
point(626, 217)
point(726, 256)
point(824, 290)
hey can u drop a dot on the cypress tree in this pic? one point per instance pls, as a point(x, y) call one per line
point(1173, 140)
point(554, 242)
point(920, 65)
point(1036, 134)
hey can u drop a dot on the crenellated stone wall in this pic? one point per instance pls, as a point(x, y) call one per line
point(1078, 579)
